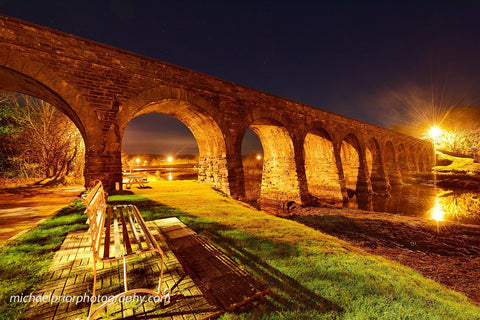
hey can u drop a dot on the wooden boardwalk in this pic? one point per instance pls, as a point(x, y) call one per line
point(203, 281)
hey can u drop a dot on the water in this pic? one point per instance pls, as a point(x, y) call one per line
point(424, 201)
point(175, 174)
point(420, 200)
point(178, 172)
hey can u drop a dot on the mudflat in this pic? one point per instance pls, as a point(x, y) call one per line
point(447, 252)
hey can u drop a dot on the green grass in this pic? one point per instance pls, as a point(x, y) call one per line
point(311, 275)
point(25, 261)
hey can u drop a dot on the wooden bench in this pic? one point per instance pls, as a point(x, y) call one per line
point(127, 235)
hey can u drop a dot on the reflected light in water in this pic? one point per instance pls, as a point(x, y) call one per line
point(170, 176)
point(437, 210)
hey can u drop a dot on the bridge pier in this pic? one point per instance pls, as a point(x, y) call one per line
point(364, 184)
point(213, 170)
point(106, 167)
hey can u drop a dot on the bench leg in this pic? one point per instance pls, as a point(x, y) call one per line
point(94, 275)
point(163, 297)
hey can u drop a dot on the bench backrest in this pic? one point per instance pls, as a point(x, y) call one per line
point(96, 205)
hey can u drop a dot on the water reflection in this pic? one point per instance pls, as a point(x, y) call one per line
point(459, 206)
point(176, 174)
point(437, 212)
point(424, 201)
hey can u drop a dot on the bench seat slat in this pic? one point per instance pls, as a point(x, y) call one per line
point(152, 244)
point(126, 238)
point(133, 227)
point(141, 230)
point(116, 234)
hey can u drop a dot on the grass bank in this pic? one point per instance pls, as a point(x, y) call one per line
point(311, 275)
point(24, 262)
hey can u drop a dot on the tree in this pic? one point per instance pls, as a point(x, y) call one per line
point(44, 139)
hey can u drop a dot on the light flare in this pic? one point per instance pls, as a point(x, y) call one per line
point(437, 211)
point(435, 132)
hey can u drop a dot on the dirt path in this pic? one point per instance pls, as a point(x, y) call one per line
point(448, 253)
point(23, 208)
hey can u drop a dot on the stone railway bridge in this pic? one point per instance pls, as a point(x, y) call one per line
point(308, 153)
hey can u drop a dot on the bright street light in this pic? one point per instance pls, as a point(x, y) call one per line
point(170, 159)
point(435, 132)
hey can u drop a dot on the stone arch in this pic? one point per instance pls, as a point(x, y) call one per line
point(323, 181)
point(27, 77)
point(21, 74)
point(129, 109)
point(374, 164)
point(351, 162)
point(391, 165)
point(205, 129)
point(279, 177)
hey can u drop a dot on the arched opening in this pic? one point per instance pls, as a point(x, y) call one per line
point(39, 143)
point(374, 166)
point(252, 161)
point(14, 81)
point(321, 170)
point(160, 145)
point(207, 134)
point(350, 157)
point(391, 167)
point(279, 177)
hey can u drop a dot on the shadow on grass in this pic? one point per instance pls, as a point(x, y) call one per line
point(253, 252)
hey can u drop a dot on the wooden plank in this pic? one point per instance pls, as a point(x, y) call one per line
point(126, 237)
point(116, 235)
point(92, 194)
point(106, 252)
point(141, 229)
point(152, 244)
point(134, 229)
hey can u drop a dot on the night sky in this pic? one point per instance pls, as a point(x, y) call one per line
point(370, 61)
